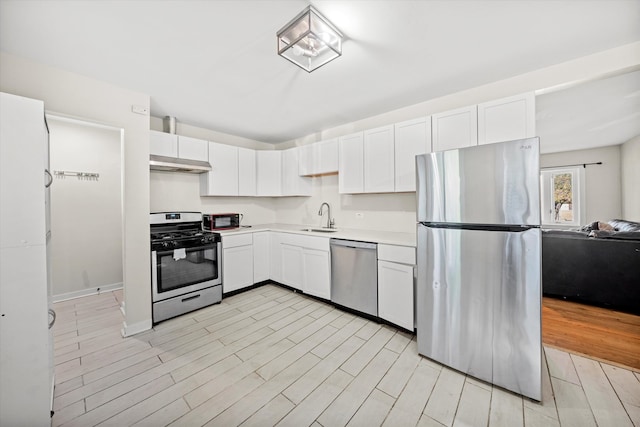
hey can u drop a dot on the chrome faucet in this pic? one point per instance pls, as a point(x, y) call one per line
point(330, 221)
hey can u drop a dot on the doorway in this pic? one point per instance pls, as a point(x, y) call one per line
point(86, 207)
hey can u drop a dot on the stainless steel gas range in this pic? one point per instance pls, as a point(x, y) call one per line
point(185, 264)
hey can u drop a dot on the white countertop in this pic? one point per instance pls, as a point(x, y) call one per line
point(384, 237)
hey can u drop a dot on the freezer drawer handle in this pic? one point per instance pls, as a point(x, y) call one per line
point(190, 298)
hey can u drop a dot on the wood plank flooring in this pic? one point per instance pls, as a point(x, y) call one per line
point(270, 356)
point(597, 332)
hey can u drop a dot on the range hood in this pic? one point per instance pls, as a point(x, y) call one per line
point(172, 164)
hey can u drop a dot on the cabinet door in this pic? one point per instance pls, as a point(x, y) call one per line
point(237, 270)
point(351, 163)
point(455, 129)
point(163, 144)
point(379, 160)
point(412, 137)
point(305, 160)
point(193, 149)
point(246, 172)
point(292, 183)
point(269, 173)
point(292, 266)
point(261, 261)
point(223, 178)
point(395, 293)
point(275, 257)
point(326, 157)
point(507, 119)
point(317, 273)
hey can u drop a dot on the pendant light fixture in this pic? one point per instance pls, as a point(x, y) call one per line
point(309, 40)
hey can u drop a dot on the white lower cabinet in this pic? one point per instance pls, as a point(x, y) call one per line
point(275, 256)
point(396, 266)
point(261, 258)
point(237, 262)
point(305, 264)
point(317, 273)
point(292, 266)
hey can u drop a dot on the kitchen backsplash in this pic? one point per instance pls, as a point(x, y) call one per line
point(385, 212)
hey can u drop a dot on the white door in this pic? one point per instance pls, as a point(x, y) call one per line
point(163, 144)
point(193, 148)
point(507, 119)
point(455, 129)
point(223, 178)
point(351, 163)
point(412, 137)
point(317, 273)
point(268, 173)
point(261, 260)
point(237, 270)
point(379, 156)
point(246, 172)
point(395, 293)
point(292, 266)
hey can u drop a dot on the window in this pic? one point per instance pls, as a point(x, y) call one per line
point(562, 197)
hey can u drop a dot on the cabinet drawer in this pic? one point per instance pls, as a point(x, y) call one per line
point(401, 254)
point(239, 240)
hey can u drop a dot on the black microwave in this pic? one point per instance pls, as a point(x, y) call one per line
point(222, 221)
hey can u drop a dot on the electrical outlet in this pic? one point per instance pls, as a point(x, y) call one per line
point(140, 109)
point(359, 215)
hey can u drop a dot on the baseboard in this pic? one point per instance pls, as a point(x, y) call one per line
point(136, 328)
point(85, 292)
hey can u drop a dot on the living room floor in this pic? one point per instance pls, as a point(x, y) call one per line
point(600, 333)
point(271, 356)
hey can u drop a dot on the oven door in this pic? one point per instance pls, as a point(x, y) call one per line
point(175, 273)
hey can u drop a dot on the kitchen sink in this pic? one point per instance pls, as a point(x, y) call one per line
point(321, 230)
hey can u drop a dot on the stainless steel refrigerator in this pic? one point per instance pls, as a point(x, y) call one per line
point(478, 291)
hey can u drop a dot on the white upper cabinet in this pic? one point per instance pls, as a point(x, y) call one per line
point(177, 146)
point(412, 137)
point(246, 172)
point(269, 173)
point(455, 129)
point(379, 157)
point(223, 178)
point(319, 158)
point(507, 119)
point(351, 163)
point(192, 148)
point(292, 183)
point(163, 144)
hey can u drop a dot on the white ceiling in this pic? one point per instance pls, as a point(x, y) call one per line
point(213, 64)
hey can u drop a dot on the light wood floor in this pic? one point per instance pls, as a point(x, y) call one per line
point(597, 332)
point(273, 357)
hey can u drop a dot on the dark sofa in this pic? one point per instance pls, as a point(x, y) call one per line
point(594, 266)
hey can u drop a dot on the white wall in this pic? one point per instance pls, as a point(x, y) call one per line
point(171, 191)
point(603, 193)
point(384, 212)
point(78, 96)
point(630, 154)
point(86, 214)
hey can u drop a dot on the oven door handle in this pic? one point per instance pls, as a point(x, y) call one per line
point(192, 249)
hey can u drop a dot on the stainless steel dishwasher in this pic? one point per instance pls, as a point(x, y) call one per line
point(354, 275)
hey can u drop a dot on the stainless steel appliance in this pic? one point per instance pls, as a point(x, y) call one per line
point(185, 264)
point(221, 221)
point(478, 289)
point(354, 275)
